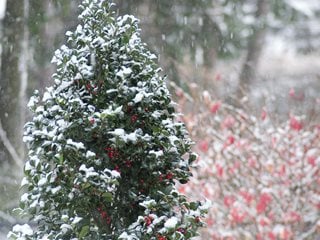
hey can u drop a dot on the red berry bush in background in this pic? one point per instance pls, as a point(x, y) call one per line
point(262, 176)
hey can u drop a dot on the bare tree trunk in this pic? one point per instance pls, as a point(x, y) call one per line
point(3, 7)
point(49, 20)
point(48, 34)
point(14, 77)
point(255, 46)
point(210, 52)
point(24, 68)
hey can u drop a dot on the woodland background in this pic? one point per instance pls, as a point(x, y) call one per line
point(258, 55)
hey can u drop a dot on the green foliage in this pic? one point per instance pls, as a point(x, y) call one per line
point(104, 147)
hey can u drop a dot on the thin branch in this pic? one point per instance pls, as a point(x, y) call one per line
point(7, 180)
point(7, 218)
point(6, 142)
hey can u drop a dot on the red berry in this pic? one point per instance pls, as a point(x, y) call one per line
point(204, 146)
point(169, 176)
point(295, 124)
point(263, 114)
point(161, 178)
point(215, 107)
point(88, 86)
point(117, 168)
point(181, 230)
point(148, 220)
point(134, 118)
point(159, 237)
point(103, 214)
point(128, 163)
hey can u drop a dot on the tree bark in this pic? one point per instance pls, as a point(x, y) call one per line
point(255, 46)
point(48, 22)
point(13, 75)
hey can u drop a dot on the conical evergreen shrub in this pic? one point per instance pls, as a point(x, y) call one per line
point(104, 147)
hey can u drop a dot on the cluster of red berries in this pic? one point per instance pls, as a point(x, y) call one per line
point(134, 118)
point(168, 176)
point(112, 152)
point(104, 216)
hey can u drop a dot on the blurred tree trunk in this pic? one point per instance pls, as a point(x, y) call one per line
point(210, 52)
point(255, 46)
point(29, 37)
point(2, 14)
point(14, 77)
point(48, 22)
point(45, 26)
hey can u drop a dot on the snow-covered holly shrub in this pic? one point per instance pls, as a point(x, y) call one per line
point(105, 150)
point(262, 177)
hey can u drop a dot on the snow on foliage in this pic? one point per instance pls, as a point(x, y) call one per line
point(262, 177)
point(104, 147)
